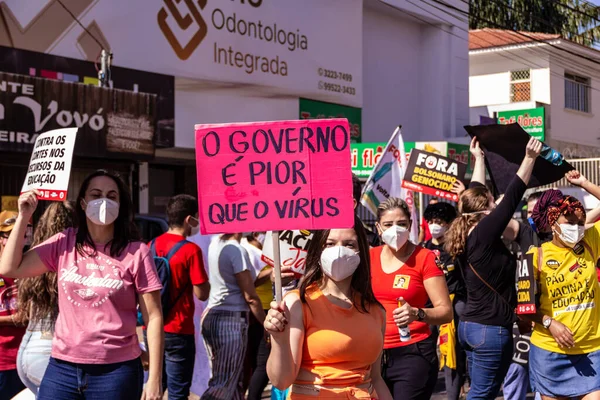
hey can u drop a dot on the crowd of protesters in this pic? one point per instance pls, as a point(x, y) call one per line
point(86, 307)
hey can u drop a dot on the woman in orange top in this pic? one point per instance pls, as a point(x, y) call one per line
point(327, 337)
point(404, 277)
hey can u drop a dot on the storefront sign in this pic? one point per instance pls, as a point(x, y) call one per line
point(50, 164)
point(273, 176)
point(311, 48)
point(112, 123)
point(433, 174)
point(311, 109)
point(366, 155)
point(532, 121)
point(23, 62)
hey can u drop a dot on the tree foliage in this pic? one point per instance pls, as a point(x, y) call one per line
point(575, 20)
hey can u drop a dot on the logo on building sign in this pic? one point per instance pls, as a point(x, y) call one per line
point(192, 21)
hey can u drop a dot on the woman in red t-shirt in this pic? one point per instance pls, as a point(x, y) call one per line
point(407, 274)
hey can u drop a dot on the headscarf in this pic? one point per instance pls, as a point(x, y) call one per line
point(551, 205)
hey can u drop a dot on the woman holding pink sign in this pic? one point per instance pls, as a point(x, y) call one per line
point(405, 276)
point(327, 337)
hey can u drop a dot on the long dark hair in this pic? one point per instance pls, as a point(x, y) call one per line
point(471, 205)
point(361, 279)
point(38, 296)
point(125, 230)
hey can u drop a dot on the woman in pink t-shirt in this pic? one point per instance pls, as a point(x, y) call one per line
point(103, 272)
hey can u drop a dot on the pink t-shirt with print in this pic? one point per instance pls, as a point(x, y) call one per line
point(97, 299)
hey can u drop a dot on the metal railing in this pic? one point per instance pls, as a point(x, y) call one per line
point(589, 167)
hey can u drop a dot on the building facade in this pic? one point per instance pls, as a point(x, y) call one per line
point(549, 85)
point(379, 63)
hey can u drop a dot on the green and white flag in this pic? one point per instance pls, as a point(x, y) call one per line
point(386, 181)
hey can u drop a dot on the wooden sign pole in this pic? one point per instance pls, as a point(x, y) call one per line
point(277, 267)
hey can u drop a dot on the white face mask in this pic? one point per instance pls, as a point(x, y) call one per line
point(339, 262)
point(102, 211)
point(437, 231)
point(395, 237)
point(261, 239)
point(571, 234)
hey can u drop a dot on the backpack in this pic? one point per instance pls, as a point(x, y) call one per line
point(163, 269)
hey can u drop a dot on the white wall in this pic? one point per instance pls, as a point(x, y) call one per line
point(391, 94)
point(575, 134)
point(571, 126)
point(489, 89)
point(540, 87)
point(221, 105)
point(489, 77)
point(415, 75)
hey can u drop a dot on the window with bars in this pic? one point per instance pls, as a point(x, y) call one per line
point(577, 93)
point(520, 86)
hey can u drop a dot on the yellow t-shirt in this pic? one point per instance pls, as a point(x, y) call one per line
point(570, 293)
point(265, 292)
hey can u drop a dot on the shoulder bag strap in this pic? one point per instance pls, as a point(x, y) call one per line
point(153, 248)
point(176, 248)
point(172, 252)
point(489, 286)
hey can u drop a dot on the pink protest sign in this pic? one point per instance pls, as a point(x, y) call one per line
point(271, 176)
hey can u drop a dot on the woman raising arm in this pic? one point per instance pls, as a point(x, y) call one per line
point(103, 272)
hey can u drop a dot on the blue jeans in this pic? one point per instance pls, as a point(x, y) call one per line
point(68, 381)
point(489, 354)
point(516, 383)
point(178, 364)
point(10, 384)
point(180, 354)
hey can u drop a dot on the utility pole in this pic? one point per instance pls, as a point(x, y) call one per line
point(104, 72)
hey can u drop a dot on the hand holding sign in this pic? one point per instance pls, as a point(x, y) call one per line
point(287, 276)
point(475, 149)
point(28, 203)
point(50, 165)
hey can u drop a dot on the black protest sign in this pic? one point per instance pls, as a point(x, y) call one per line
point(504, 147)
point(433, 174)
point(525, 285)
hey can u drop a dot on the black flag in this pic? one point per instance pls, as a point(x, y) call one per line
point(504, 147)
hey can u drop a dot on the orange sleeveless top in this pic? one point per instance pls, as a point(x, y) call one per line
point(340, 344)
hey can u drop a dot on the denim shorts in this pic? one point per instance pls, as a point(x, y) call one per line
point(32, 360)
point(562, 375)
